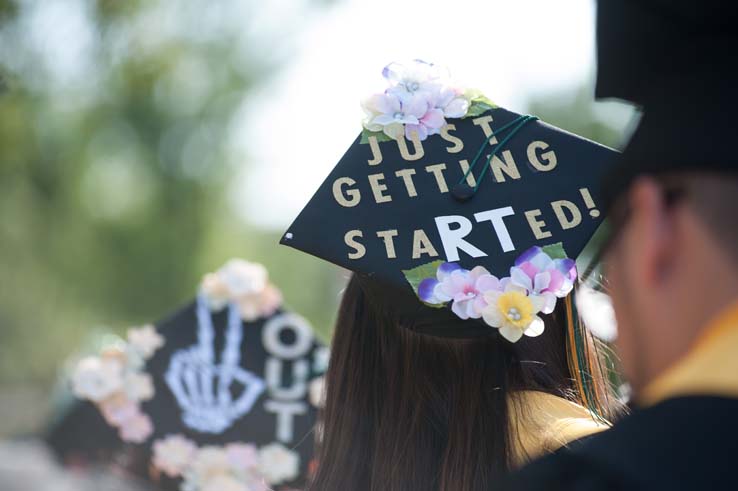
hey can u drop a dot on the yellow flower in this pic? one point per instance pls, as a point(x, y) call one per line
point(516, 308)
point(513, 312)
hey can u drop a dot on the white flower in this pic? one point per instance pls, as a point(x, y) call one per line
point(246, 285)
point(214, 291)
point(278, 464)
point(211, 461)
point(173, 454)
point(95, 378)
point(417, 76)
point(136, 429)
point(262, 304)
point(224, 482)
point(243, 278)
point(145, 340)
point(138, 386)
point(451, 102)
point(316, 392)
point(390, 113)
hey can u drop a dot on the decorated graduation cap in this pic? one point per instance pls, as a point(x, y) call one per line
point(676, 61)
point(461, 209)
point(222, 394)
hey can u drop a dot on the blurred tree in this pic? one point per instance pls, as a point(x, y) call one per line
point(116, 131)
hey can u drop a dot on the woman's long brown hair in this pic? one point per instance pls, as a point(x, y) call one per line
point(410, 412)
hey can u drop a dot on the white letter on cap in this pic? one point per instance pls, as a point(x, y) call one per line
point(286, 412)
point(495, 216)
point(453, 240)
point(274, 345)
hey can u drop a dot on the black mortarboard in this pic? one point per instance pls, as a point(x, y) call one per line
point(391, 206)
point(676, 60)
point(236, 382)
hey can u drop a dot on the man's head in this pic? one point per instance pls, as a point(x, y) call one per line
point(672, 265)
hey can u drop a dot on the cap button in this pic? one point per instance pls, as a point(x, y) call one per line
point(462, 191)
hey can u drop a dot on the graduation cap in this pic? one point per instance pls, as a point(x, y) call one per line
point(223, 393)
point(676, 61)
point(442, 182)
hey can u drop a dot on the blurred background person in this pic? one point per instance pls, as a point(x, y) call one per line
point(672, 258)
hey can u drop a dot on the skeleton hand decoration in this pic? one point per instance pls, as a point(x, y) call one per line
point(203, 387)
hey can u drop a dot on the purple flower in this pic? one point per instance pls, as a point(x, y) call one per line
point(415, 77)
point(462, 287)
point(390, 113)
point(430, 124)
point(450, 102)
point(540, 275)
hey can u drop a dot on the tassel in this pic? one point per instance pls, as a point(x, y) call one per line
point(579, 360)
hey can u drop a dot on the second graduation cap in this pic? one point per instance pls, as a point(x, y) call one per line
point(221, 395)
point(453, 202)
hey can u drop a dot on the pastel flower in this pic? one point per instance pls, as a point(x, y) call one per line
point(138, 386)
point(278, 464)
point(316, 393)
point(145, 340)
point(450, 102)
point(464, 288)
point(223, 482)
point(173, 454)
point(215, 291)
point(263, 304)
point(136, 429)
point(118, 408)
point(429, 124)
point(417, 76)
point(242, 456)
point(549, 278)
point(96, 379)
point(210, 461)
point(393, 113)
point(513, 312)
point(237, 278)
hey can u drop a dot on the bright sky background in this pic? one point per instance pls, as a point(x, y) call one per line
point(296, 127)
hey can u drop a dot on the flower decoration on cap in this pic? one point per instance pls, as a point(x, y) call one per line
point(418, 100)
point(115, 381)
point(244, 284)
point(233, 467)
point(540, 276)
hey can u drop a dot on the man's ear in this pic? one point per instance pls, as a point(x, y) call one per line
point(652, 239)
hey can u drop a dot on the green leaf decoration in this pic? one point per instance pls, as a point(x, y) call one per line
point(415, 275)
point(379, 135)
point(479, 105)
point(555, 251)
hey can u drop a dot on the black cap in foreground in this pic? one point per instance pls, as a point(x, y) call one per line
point(481, 191)
point(676, 61)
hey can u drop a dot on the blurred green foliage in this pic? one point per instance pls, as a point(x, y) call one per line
point(115, 154)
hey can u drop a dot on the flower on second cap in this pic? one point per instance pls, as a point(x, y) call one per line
point(278, 464)
point(242, 456)
point(145, 340)
point(136, 429)
point(95, 378)
point(173, 454)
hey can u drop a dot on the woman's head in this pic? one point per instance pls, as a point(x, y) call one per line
point(411, 411)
